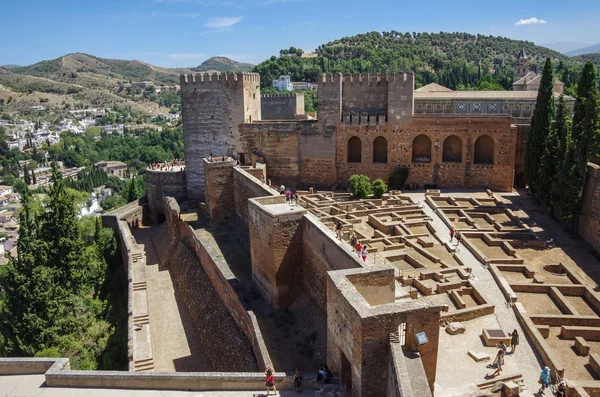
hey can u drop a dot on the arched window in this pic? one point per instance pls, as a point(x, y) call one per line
point(484, 150)
point(354, 150)
point(452, 150)
point(421, 149)
point(380, 150)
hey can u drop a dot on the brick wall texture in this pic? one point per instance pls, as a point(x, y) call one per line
point(281, 106)
point(163, 183)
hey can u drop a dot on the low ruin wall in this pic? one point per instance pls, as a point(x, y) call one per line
point(58, 374)
point(195, 263)
point(589, 222)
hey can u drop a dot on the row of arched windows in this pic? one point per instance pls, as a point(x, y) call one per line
point(483, 151)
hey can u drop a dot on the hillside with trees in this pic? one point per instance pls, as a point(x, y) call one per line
point(455, 60)
point(223, 64)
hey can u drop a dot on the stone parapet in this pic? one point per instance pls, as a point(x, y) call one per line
point(160, 184)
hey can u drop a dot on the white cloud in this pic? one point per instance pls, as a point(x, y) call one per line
point(186, 56)
point(222, 22)
point(530, 21)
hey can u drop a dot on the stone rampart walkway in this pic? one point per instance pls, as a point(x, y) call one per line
point(174, 343)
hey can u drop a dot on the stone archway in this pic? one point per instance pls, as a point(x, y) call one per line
point(421, 149)
point(380, 154)
point(484, 150)
point(452, 150)
point(354, 150)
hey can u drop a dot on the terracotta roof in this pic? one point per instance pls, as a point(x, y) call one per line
point(526, 79)
point(505, 95)
point(433, 87)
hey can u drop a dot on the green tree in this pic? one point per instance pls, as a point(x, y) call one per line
point(567, 191)
point(398, 178)
point(26, 176)
point(361, 186)
point(541, 123)
point(132, 192)
point(379, 188)
point(586, 127)
point(562, 126)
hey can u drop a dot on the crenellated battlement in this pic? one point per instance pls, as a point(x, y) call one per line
point(280, 95)
point(365, 78)
point(326, 78)
point(218, 78)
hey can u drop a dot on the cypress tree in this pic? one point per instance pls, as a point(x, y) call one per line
point(541, 123)
point(568, 190)
point(33, 176)
point(586, 127)
point(562, 125)
point(26, 177)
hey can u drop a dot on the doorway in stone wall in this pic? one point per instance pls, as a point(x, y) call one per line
point(346, 372)
point(242, 158)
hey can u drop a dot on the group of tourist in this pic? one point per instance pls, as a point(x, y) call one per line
point(167, 165)
point(413, 186)
point(357, 246)
point(324, 375)
point(455, 233)
point(290, 197)
point(545, 379)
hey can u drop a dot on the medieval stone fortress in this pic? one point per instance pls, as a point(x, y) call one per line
point(227, 277)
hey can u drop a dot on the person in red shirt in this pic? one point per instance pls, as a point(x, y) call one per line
point(270, 383)
point(358, 248)
point(451, 234)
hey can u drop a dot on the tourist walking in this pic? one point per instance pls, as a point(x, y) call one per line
point(498, 362)
point(452, 233)
point(514, 341)
point(288, 196)
point(503, 347)
point(338, 229)
point(296, 197)
point(561, 390)
point(270, 383)
point(298, 381)
point(544, 380)
point(458, 237)
point(324, 373)
point(353, 242)
point(363, 253)
point(358, 249)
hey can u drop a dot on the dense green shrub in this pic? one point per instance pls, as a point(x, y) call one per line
point(379, 188)
point(361, 186)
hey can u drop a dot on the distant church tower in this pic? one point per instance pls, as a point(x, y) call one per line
point(521, 65)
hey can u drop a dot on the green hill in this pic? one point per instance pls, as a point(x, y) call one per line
point(223, 64)
point(455, 60)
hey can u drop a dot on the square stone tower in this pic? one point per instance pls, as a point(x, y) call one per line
point(213, 107)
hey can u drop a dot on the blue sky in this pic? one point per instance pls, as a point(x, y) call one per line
point(185, 32)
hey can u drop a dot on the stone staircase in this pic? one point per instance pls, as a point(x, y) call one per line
point(141, 285)
point(141, 320)
point(143, 365)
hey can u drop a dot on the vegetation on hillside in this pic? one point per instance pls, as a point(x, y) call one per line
point(63, 295)
point(455, 60)
point(223, 64)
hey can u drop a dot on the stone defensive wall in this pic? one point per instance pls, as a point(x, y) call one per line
point(442, 152)
point(281, 106)
point(164, 183)
point(211, 291)
point(589, 222)
point(139, 344)
point(296, 153)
